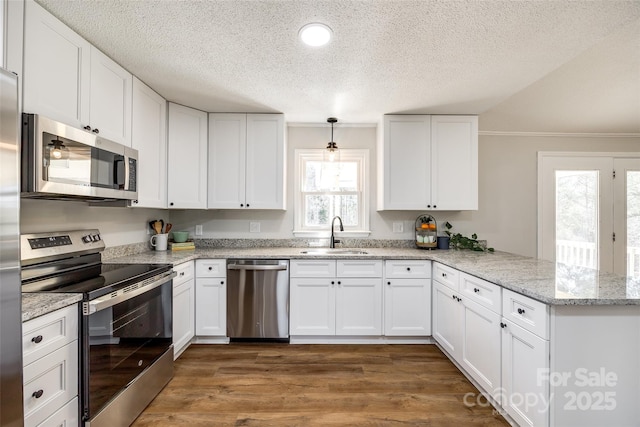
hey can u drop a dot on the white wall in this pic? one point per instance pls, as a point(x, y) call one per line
point(118, 226)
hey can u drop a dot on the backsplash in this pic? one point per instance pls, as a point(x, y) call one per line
point(136, 248)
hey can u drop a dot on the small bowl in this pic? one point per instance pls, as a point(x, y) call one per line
point(180, 236)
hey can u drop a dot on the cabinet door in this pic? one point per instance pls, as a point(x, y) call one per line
point(149, 137)
point(265, 161)
point(407, 307)
point(406, 158)
point(447, 315)
point(358, 306)
point(227, 147)
point(211, 307)
point(525, 357)
point(183, 316)
point(187, 170)
point(57, 63)
point(454, 162)
point(480, 349)
point(110, 99)
point(312, 306)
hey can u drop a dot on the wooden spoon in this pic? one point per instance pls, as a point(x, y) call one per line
point(157, 226)
point(168, 227)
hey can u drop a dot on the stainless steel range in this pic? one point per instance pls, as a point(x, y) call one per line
point(126, 349)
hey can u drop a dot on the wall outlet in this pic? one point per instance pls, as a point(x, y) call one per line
point(198, 230)
point(398, 227)
point(254, 227)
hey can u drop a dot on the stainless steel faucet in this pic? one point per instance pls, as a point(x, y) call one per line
point(333, 241)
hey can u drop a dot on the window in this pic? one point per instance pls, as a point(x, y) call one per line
point(326, 189)
point(589, 210)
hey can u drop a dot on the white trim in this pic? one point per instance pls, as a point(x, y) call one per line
point(331, 339)
point(559, 134)
point(542, 154)
point(324, 125)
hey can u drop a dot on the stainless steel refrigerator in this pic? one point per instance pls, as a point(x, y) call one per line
point(10, 293)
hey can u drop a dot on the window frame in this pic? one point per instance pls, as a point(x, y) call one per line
point(362, 156)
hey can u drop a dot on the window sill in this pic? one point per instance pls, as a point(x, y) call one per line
point(326, 234)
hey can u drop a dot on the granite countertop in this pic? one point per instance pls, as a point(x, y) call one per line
point(37, 304)
point(545, 281)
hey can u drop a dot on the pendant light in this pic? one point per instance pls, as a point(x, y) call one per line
point(332, 152)
point(57, 150)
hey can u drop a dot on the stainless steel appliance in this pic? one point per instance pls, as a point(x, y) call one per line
point(258, 299)
point(11, 403)
point(126, 340)
point(60, 161)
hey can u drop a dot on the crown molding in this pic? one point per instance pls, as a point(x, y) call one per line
point(559, 134)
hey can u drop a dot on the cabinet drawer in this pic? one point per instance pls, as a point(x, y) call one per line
point(484, 293)
point(409, 269)
point(313, 268)
point(359, 268)
point(44, 334)
point(49, 383)
point(211, 268)
point(528, 313)
point(184, 273)
point(65, 416)
point(446, 275)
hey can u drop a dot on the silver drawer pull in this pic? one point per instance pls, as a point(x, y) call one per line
point(38, 394)
point(37, 340)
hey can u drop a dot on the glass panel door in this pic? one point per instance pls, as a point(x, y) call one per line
point(627, 217)
point(575, 213)
point(577, 217)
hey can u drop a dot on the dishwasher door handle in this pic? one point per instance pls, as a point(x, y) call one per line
point(256, 267)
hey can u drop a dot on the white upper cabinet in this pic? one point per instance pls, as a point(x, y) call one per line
point(187, 158)
point(149, 137)
point(246, 161)
point(428, 162)
point(454, 162)
point(110, 99)
point(57, 66)
point(67, 79)
point(406, 158)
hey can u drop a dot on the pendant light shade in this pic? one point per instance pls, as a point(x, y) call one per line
point(332, 152)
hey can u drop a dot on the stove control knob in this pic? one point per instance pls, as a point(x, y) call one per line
point(96, 237)
point(87, 238)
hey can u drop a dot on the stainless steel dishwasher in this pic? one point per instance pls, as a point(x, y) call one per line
point(258, 299)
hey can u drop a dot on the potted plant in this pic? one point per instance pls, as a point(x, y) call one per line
point(458, 241)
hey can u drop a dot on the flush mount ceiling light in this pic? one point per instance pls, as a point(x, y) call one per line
point(332, 152)
point(315, 34)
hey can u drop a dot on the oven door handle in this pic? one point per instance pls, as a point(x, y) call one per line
point(112, 299)
point(256, 267)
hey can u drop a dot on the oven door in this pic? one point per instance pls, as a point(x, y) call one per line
point(122, 336)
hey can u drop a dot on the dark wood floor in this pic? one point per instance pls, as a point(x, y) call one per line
point(316, 385)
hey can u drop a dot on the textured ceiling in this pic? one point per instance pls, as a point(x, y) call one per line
point(386, 56)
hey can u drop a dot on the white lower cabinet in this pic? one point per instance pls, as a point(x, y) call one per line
point(323, 303)
point(211, 298)
point(525, 358)
point(489, 332)
point(50, 375)
point(183, 307)
point(407, 298)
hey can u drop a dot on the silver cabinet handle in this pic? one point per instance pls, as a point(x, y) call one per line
point(256, 267)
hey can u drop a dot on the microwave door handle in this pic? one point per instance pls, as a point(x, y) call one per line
point(118, 176)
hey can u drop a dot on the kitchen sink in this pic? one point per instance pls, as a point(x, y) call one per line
point(329, 251)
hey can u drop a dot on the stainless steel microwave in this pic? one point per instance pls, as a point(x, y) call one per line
point(63, 162)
